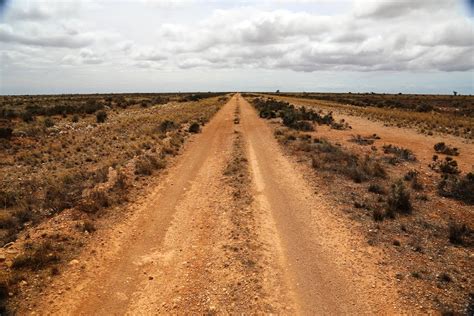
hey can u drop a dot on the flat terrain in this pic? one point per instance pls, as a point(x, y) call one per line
point(241, 219)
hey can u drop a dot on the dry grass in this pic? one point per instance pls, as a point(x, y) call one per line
point(63, 155)
point(46, 168)
point(425, 237)
point(445, 122)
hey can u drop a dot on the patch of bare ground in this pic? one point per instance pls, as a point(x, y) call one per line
point(400, 208)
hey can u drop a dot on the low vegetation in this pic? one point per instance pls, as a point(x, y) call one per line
point(457, 187)
point(398, 201)
point(395, 197)
point(442, 148)
point(398, 154)
point(364, 141)
point(427, 113)
point(49, 162)
point(296, 118)
point(446, 166)
point(456, 105)
point(194, 128)
point(460, 234)
point(81, 154)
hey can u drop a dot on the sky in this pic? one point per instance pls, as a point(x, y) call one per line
point(113, 46)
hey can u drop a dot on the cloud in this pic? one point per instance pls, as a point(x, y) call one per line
point(309, 42)
point(456, 33)
point(150, 55)
point(8, 35)
point(29, 10)
point(85, 56)
point(397, 8)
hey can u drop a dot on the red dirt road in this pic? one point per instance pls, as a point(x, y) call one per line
point(194, 246)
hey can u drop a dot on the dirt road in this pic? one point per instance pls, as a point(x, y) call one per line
point(232, 228)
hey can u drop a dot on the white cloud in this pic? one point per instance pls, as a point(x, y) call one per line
point(399, 8)
point(62, 39)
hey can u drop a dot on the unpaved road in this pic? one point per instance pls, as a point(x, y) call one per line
point(232, 228)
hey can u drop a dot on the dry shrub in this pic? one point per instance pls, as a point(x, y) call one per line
point(329, 157)
point(363, 141)
point(459, 233)
point(167, 125)
point(100, 199)
point(101, 116)
point(6, 132)
point(398, 201)
point(376, 188)
point(101, 174)
point(65, 193)
point(194, 128)
point(9, 198)
point(121, 182)
point(399, 153)
point(459, 188)
point(4, 289)
point(412, 177)
point(446, 166)
point(146, 164)
point(36, 257)
point(7, 220)
point(442, 148)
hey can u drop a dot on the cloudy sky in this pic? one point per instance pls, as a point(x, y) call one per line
point(68, 46)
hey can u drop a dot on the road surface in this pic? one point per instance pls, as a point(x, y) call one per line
point(233, 227)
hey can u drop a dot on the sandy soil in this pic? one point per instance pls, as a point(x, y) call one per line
point(255, 239)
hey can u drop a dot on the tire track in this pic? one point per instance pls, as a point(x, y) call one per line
point(197, 245)
point(326, 273)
